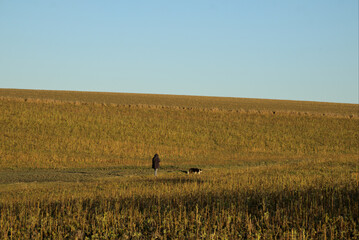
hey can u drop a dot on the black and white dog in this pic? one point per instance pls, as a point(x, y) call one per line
point(194, 170)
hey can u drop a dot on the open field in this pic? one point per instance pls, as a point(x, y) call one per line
point(188, 102)
point(75, 164)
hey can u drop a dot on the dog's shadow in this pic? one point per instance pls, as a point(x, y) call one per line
point(178, 180)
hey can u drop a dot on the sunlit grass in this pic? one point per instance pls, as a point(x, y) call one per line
point(79, 169)
point(59, 135)
point(297, 199)
point(187, 102)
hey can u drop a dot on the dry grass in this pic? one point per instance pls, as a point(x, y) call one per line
point(77, 166)
point(188, 102)
point(298, 200)
point(42, 134)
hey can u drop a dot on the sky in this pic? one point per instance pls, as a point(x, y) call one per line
point(293, 50)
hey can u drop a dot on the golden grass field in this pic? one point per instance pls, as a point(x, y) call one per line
point(78, 165)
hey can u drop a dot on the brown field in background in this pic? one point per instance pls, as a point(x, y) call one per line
point(218, 103)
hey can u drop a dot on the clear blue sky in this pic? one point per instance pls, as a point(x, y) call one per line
point(298, 50)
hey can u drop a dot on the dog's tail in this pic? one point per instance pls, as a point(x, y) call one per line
point(186, 172)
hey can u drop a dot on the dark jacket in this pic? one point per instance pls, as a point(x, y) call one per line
point(156, 161)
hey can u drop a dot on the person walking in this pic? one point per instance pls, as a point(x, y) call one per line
point(156, 163)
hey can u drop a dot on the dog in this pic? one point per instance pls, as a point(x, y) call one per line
point(194, 170)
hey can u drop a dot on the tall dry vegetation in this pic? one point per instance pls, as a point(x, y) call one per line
point(269, 176)
point(241, 104)
point(296, 200)
point(40, 134)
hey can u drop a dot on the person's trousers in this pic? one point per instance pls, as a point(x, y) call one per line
point(155, 172)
